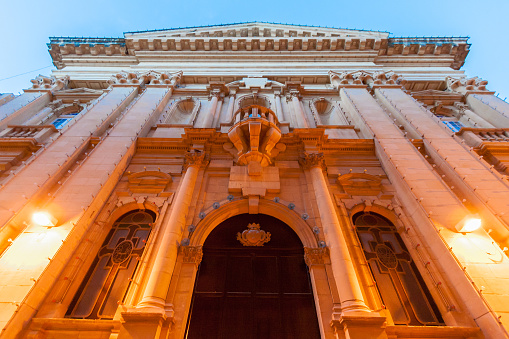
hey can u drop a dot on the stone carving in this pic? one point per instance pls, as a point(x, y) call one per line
point(365, 78)
point(149, 77)
point(254, 135)
point(466, 85)
point(42, 82)
point(253, 236)
point(148, 182)
point(360, 183)
point(316, 256)
point(191, 254)
point(388, 78)
point(310, 160)
point(194, 158)
point(349, 78)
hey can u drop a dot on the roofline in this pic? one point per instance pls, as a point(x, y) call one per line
point(250, 22)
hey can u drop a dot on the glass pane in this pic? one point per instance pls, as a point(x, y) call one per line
point(87, 301)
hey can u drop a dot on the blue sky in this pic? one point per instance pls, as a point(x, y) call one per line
point(27, 24)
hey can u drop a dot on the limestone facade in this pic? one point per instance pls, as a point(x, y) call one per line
point(317, 127)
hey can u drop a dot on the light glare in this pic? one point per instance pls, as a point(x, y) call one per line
point(44, 219)
point(468, 224)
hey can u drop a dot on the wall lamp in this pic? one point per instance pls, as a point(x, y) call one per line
point(42, 218)
point(468, 224)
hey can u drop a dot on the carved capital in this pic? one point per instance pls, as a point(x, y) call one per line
point(465, 86)
point(346, 79)
point(310, 160)
point(191, 254)
point(52, 84)
point(316, 256)
point(195, 158)
point(149, 77)
point(387, 79)
point(162, 78)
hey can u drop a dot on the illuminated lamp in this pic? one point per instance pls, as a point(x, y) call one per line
point(44, 219)
point(468, 224)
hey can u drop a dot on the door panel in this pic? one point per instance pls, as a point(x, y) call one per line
point(253, 292)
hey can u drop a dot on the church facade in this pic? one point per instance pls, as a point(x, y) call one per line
point(255, 180)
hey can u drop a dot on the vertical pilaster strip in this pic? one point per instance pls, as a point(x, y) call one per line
point(488, 186)
point(341, 261)
point(154, 296)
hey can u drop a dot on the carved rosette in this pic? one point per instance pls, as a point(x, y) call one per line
point(49, 83)
point(191, 254)
point(466, 85)
point(316, 256)
point(310, 160)
point(194, 158)
point(255, 135)
point(253, 236)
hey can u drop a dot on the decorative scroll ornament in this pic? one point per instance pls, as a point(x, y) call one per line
point(365, 78)
point(388, 78)
point(149, 77)
point(310, 160)
point(194, 158)
point(466, 85)
point(253, 236)
point(42, 82)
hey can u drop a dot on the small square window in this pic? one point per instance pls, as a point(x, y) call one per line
point(60, 122)
point(454, 126)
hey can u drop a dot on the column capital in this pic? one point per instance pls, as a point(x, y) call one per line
point(311, 160)
point(467, 86)
point(48, 84)
point(316, 256)
point(191, 254)
point(195, 158)
point(163, 79)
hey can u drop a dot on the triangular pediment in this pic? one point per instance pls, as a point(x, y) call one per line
point(257, 30)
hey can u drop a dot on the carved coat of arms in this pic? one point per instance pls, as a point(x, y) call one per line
point(253, 236)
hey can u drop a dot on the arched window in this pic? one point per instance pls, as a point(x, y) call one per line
point(399, 282)
point(109, 277)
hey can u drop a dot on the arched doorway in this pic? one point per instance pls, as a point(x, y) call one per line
point(253, 291)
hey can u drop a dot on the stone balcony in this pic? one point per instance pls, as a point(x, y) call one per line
point(491, 143)
point(38, 132)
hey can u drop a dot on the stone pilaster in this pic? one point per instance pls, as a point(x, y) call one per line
point(154, 296)
point(341, 261)
point(429, 202)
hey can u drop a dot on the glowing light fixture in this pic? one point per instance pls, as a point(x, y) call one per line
point(468, 224)
point(44, 219)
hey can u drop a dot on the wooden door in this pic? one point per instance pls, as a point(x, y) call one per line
point(253, 292)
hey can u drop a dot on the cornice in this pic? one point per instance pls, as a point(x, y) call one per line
point(271, 39)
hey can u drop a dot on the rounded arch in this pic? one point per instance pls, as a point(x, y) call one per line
point(268, 207)
point(130, 207)
point(250, 99)
point(383, 211)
